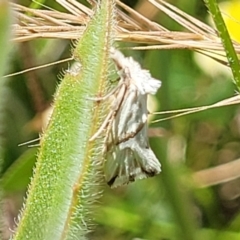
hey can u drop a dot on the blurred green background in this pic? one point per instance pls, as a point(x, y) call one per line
point(169, 206)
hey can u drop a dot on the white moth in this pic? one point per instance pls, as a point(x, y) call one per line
point(127, 151)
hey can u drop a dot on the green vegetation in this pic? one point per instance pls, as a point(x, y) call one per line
point(191, 199)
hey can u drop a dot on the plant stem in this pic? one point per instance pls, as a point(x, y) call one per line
point(226, 40)
point(68, 173)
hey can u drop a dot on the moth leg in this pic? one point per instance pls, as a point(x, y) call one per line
point(106, 139)
point(103, 126)
point(115, 107)
point(103, 98)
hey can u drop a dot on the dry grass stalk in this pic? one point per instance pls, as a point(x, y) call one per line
point(219, 174)
point(182, 112)
point(134, 27)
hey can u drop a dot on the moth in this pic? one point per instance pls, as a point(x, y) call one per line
point(128, 155)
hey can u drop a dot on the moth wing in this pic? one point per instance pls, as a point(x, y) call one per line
point(129, 162)
point(128, 155)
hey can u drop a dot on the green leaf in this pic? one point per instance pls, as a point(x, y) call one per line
point(17, 176)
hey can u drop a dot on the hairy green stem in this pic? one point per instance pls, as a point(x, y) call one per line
point(69, 168)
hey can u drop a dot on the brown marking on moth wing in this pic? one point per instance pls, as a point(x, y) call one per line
point(117, 80)
point(133, 176)
point(108, 147)
point(112, 180)
point(118, 101)
point(117, 64)
point(130, 135)
point(149, 173)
